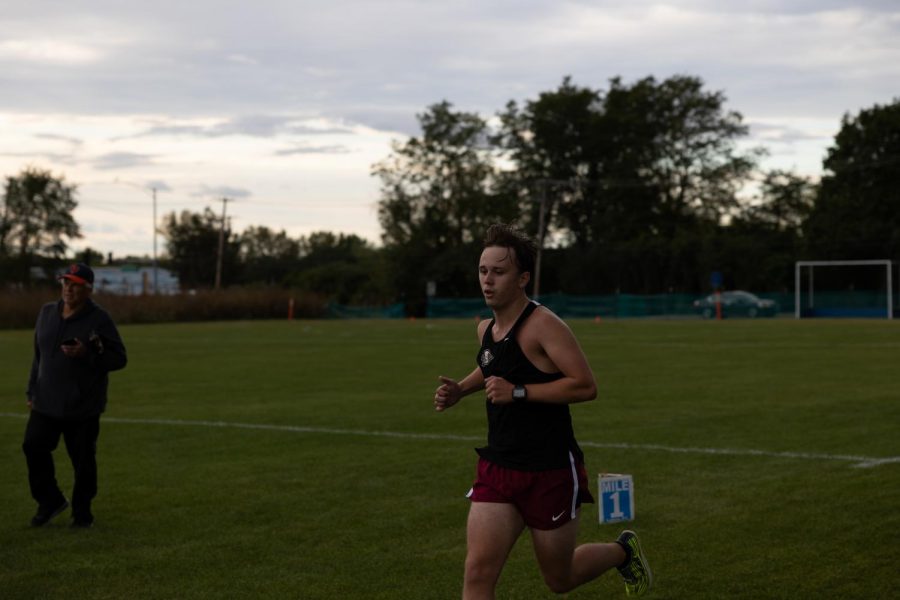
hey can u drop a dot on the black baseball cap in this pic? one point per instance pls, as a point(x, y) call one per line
point(79, 273)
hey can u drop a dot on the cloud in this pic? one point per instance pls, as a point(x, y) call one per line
point(48, 51)
point(304, 149)
point(242, 60)
point(262, 126)
point(148, 186)
point(68, 159)
point(396, 119)
point(207, 91)
point(158, 185)
point(104, 227)
point(754, 6)
point(51, 157)
point(60, 138)
point(220, 191)
point(123, 160)
point(380, 62)
point(784, 134)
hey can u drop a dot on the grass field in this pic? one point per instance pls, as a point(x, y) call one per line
point(327, 504)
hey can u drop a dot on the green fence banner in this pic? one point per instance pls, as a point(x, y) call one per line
point(343, 311)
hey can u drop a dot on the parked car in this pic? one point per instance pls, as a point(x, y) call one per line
point(736, 303)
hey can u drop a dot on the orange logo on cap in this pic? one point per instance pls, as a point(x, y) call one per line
point(73, 268)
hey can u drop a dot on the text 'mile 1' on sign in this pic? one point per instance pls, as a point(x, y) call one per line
point(616, 498)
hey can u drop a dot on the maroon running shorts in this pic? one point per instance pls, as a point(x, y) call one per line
point(545, 499)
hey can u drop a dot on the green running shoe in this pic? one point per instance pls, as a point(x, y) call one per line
point(635, 571)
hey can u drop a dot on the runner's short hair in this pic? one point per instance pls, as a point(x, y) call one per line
point(507, 236)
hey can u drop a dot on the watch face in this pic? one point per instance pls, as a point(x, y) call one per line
point(518, 392)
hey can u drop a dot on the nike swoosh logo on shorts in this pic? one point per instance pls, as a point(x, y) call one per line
point(558, 517)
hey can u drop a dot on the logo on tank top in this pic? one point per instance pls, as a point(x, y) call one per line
point(486, 358)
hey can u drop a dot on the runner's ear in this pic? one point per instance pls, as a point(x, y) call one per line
point(524, 278)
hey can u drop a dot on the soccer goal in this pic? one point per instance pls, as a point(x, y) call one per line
point(844, 288)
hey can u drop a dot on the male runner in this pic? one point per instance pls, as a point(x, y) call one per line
point(531, 473)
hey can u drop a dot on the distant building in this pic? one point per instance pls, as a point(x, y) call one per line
point(132, 280)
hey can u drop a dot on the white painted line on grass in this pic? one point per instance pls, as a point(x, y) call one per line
point(863, 462)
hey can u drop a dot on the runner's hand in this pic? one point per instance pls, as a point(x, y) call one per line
point(447, 394)
point(498, 390)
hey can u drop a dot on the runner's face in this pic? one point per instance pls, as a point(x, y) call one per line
point(501, 282)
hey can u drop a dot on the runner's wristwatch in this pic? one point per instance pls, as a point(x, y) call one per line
point(520, 394)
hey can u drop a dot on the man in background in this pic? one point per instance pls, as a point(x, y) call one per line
point(76, 345)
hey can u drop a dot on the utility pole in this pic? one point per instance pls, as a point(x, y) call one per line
point(540, 243)
point(221, 246)
point(153, 195)
point(544, 184)
point(155, 264)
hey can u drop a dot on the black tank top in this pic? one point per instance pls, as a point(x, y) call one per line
point(528, 436)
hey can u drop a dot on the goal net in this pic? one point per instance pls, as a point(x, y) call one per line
point(843, 288)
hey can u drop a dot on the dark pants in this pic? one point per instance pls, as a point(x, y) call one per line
point(41, 438)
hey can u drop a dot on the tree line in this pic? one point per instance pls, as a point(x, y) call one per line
point(637, 188)
point(343, 267)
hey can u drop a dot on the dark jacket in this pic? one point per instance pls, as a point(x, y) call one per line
point(73, 388)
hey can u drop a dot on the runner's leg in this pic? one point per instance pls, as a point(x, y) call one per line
point(564, 566)
point(491, 533)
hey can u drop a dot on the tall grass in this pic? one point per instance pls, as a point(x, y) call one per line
point(19, 308)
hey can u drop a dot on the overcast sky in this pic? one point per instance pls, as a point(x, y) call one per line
point(284, 105)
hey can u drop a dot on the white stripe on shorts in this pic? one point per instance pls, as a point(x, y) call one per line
point(575, 481)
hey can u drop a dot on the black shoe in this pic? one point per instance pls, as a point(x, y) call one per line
point(46, 514)
point(82, 522)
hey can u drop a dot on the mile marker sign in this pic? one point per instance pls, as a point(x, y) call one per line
point(616, 498)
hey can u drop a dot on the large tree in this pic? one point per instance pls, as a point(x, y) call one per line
point(343, 267)
point(36, 215)
point(857, 212)
point(784, 202)
point(192, 240)
point(267, 256)
point(647, 158)
point(757, 249)
point(634, 176)
point(439, 193)
point(557, 149)
point(441, 184)
point(694, 162)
